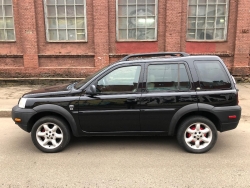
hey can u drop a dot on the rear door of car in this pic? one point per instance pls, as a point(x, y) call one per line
point(167, 88)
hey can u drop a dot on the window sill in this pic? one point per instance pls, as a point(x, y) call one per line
point(120, 41)
point(207, 41)
point(7, 41)
point(65, 41)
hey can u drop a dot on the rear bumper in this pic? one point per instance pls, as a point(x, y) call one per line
point(24, 114)
point(228, 126)
point(223, 114)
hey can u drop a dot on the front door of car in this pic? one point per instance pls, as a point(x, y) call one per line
point(115, 107)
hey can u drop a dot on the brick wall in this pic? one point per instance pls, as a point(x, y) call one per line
point(32, 56)
point(242, 39)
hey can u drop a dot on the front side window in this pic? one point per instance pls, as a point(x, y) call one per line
point(7, 31)
point(212, 75)
point(136, 20)
point(121, 80)
point(167, 77)
point(207, 20)
point(65, 20)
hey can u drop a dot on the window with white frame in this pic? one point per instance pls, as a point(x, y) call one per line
point(65, 20)
point(207, 20)
point(136, 20)
point(7, 29)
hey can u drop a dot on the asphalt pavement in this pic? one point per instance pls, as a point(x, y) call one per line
point(124, 162)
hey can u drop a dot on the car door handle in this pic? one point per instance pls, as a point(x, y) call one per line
point(132, 100)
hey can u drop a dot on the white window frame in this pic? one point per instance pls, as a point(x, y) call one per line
point(47, 24)
point(4, 20)
point(206, 16)
point(136, 40)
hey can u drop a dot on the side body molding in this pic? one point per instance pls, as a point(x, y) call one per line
point(61, 111)
point(179, 114)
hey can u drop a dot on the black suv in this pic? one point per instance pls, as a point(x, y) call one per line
point(168, 93)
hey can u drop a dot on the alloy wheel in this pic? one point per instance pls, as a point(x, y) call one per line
point(198, 136)
point(49, 135)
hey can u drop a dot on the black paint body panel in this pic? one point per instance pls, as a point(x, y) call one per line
point(139, 113)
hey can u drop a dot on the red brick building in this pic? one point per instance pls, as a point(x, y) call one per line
point(72, 38)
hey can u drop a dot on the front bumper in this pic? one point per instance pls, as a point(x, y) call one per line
point(25, 115)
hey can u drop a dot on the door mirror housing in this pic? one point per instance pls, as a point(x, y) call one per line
point(91, 90)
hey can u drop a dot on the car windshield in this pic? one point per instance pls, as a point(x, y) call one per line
point(81, 83)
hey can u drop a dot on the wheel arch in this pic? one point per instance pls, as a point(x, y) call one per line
point(193, 110)
point(53, 110)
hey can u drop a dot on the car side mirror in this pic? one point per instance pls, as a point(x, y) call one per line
point(91, 90)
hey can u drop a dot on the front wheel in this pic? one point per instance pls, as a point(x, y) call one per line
point(197, 134)
point(50, 134)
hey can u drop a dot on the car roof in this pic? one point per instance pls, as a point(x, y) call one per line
point(168, 59)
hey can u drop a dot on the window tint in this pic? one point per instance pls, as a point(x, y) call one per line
point(212, 75)
point(167, 77)
point(184, 83)
point(121, 80)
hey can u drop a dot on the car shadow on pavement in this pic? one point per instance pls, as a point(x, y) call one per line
point(116, 142)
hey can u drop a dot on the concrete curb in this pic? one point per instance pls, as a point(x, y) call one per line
point(5, 113)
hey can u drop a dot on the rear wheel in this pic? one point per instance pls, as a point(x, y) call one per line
point(50, 134)
point(197, 134)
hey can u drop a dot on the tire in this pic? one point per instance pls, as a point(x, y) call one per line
point(197, 134)
point(50, 134)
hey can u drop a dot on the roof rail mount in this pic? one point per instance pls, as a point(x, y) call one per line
point(182, 54)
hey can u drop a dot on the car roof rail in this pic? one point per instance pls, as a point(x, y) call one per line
point(182, 54)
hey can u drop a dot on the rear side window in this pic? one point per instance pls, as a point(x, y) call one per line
point(165, 77)
point(212, 75)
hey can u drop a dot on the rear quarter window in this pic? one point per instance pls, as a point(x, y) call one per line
point(212, 75)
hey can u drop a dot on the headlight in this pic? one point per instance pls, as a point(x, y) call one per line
point(22, 102)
